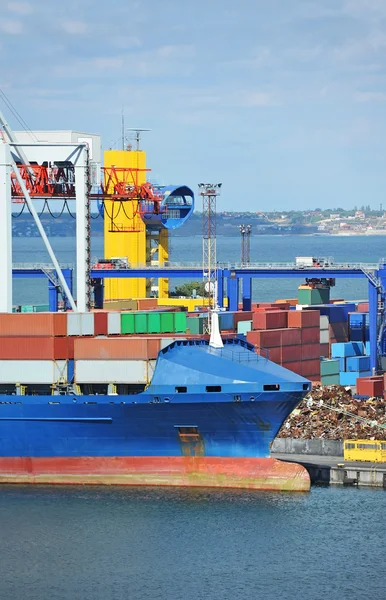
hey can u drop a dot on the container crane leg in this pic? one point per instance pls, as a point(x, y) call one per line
point(373, 329)
point(5, 229)
point(247, 293)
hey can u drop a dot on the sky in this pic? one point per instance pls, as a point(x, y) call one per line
point(282, 101)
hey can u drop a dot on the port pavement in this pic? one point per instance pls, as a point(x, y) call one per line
point(334, 470)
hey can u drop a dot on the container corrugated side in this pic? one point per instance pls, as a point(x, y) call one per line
point(80, 324)
point(100, 322)
point(117, 348)
point(111, 371)
point(33, 324)
point(32, 371)
point(113, 323)
point(33, 348)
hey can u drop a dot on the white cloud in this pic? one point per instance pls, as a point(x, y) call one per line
point(74, 27)
point(21, 8)
point(11, 27)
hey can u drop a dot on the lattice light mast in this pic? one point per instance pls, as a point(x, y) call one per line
point(245, 231)
point(209, 193)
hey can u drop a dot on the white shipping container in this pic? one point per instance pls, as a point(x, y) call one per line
point(32, 371)
point(324, 336)
point(113, 323)
point(111, 371)
point(324, 323)
point(164, 342)
point(80, 324)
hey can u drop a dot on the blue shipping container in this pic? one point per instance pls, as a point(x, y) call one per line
point(357, 335)
point(358, 363)
point(344, 349)
point(367, 348)
point(351, 377)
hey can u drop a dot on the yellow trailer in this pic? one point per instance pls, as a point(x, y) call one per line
point(365, 450)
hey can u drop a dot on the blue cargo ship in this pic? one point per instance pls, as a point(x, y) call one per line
point(207, 418)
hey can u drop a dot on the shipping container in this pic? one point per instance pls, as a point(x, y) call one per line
point(179, 322)
point(120, 305)
point(32, 371)
point(128, 323)
point(324, 323)
point(294, 366)
point(338, 332)
point(244, 326)
point(114, 323)
point(226, 321)
point(311, 368)
point(329, 367)
point(100, 322)
point(34, 324)
point(129, 348)
point(363, 307)
point(310, 335)
point(310, 296)
point(265, 338)
point(330, 379)
point(291, 337)
point(140, 322)
point(167, 322)
point(270, 320)
point(304, 318)
point(154, 322)
point(370, 386)
point(195, 325)
point(346, 349)
point(111, 371)
point(291, 354)
point(325, 350)
point(324, 336)
point(242, 316)
point(350, 378)
point(311, 352)
point(358, 363)
point(31, 348)
point(147, 303)
point(80, 323)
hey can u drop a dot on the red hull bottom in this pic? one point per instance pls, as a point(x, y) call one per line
point(242, 473)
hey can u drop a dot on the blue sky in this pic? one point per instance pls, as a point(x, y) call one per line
point(283, 101)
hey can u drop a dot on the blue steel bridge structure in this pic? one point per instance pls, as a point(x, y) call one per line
point(235, 284)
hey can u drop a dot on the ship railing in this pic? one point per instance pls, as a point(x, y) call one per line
point(241, 356)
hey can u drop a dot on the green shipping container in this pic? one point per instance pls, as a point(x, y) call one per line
point(313, 296)
point(154, 322)
point(244, 326)
point(329, 367)
point(167, 322)
point(140, 322)
point(179, 322)
point(195, 325)
point(42, 308)
point(330, 380)
point(27, 308)
point(127, 322)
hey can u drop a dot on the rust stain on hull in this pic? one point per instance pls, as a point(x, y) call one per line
point(184, 471)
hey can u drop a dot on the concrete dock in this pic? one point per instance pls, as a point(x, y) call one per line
point(334, 470)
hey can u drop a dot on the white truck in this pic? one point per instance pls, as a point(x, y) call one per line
point(304, 262)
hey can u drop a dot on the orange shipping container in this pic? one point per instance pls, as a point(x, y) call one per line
point(35, 348)
point(296, 367)
point(130, 348)
point(291, 337)
point(265, 338)
point(290, 354)
point(311, 368)
point(33, 324)
point(147, 303)
point(325, 350)
point(304, 318)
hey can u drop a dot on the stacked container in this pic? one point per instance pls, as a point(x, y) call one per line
point(353, 363)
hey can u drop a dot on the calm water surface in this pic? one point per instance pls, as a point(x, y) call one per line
point(263, 248)
point(140, 543)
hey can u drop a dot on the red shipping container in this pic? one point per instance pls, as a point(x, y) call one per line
point(310, 335)
point(129, 348)
point(33, 324)
point(363, 307)
point(34, 348)
point(242, 316)
point(311, 368)
point(310, 352)
point(304, 318)
point(100, 322)
point(295, 367)
point(291, 354)
point(270, 320)
point(325, 350)
point(291, 337)
point(270, 338)
point(274, 354)
point(370, 386)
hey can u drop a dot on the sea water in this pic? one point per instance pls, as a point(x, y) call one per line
point(102, 543)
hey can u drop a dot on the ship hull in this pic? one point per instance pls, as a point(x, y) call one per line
point(128, 440)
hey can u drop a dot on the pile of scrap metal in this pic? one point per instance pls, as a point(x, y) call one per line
point(332, 413)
